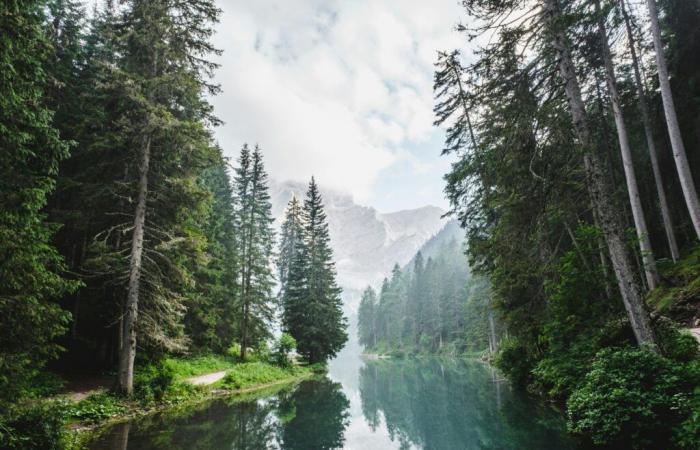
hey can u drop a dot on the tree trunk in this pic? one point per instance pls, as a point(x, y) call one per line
point(674, 132)
point(125, 381)
point(640, 224)
point(599, 190)
point(493, 343)
point(648, 133)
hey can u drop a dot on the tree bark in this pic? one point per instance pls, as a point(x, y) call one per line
point(651, 145)
point(598, 188)
point(674, 132)
point(493, 343)
point(125, 381)
point(640, 224)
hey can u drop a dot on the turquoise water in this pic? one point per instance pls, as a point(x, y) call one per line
point(426, 404)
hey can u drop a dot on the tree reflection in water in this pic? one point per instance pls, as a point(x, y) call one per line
point(454, 404)
point(312, 415)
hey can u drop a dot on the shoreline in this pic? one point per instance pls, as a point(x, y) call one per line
point(81, 433)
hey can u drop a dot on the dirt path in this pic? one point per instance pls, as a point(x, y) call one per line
point(208, 378)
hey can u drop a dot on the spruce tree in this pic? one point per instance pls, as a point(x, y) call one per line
point(30, 268)
point(255, 249)
point(211, 308)
point(159, 78)
point(292, 238)
point(366, 319)
point(312, 306)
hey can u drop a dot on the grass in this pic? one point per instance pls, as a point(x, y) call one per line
point(680, 292)
point(249, 374)
point(200, 365)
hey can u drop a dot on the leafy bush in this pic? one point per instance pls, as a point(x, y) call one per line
point(283, 347)
point(630, 398)
point(152, 381)
point(319, 368)
point(39, 427)
point(234, 350)
point(513, 359)
point(677, 344)
point(96, 408)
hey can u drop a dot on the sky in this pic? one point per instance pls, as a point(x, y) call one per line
point(338, 89)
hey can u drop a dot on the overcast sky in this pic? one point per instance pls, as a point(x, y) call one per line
point(341, 89)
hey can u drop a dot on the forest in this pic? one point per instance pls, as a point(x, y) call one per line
point(133, 252)
point(435, 305)
point(574, 131)
point(130, 245)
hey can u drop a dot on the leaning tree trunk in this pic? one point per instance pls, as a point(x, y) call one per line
point(674, 132)
point(598, 188)
point(640, 223)
point(125, 380)
point(648, 133)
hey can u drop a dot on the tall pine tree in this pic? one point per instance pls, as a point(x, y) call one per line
point(312, 306)
point(30, 268)
point(255, 249)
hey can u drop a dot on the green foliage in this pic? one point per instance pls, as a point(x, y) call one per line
point(312, 307)
point(255, 242)
point(40, 426)
point(234, 350)
point(96, 408)
point(151, 382)
point(30, 269)
point(631, 397)
point(254, 373)
point(433, 306)
point(198, 365)
point(283, 347)
point(512, 359)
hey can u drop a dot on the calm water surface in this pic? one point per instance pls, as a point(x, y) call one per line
point(404, 404)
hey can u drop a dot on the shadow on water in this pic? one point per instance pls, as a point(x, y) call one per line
point(429, 404)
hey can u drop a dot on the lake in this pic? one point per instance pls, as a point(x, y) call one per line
point(435, 404)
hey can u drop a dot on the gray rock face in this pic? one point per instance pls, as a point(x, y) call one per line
point(366, 244)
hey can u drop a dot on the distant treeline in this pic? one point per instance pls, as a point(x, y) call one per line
point(432, 306)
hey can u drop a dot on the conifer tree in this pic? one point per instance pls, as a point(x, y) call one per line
point(30, 267)
point(255, 249)
point(312, 306)
point(161, 73)
point(292, 238)
point(367, 320)
point(211, 314)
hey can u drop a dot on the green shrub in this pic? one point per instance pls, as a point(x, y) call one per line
point(152, 381)
point(283, 347)
point(319, 368)
point(96, 408)
point(39, 427)
point(234, 350)
point(677, 344)
point(630, 398)
point(514, 361)
point(687, 433)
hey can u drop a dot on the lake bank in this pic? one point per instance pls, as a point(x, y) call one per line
point(92, 414)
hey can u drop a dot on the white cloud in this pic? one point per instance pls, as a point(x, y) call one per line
point(335, 88)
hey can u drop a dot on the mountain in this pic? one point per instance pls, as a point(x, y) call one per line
point(450, 234)
point(366, 243)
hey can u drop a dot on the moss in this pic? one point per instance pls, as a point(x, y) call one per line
point(679, 295)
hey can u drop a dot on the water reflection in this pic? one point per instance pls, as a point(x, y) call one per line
point(313, 415)
point(427, 404)
point(454, 404)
